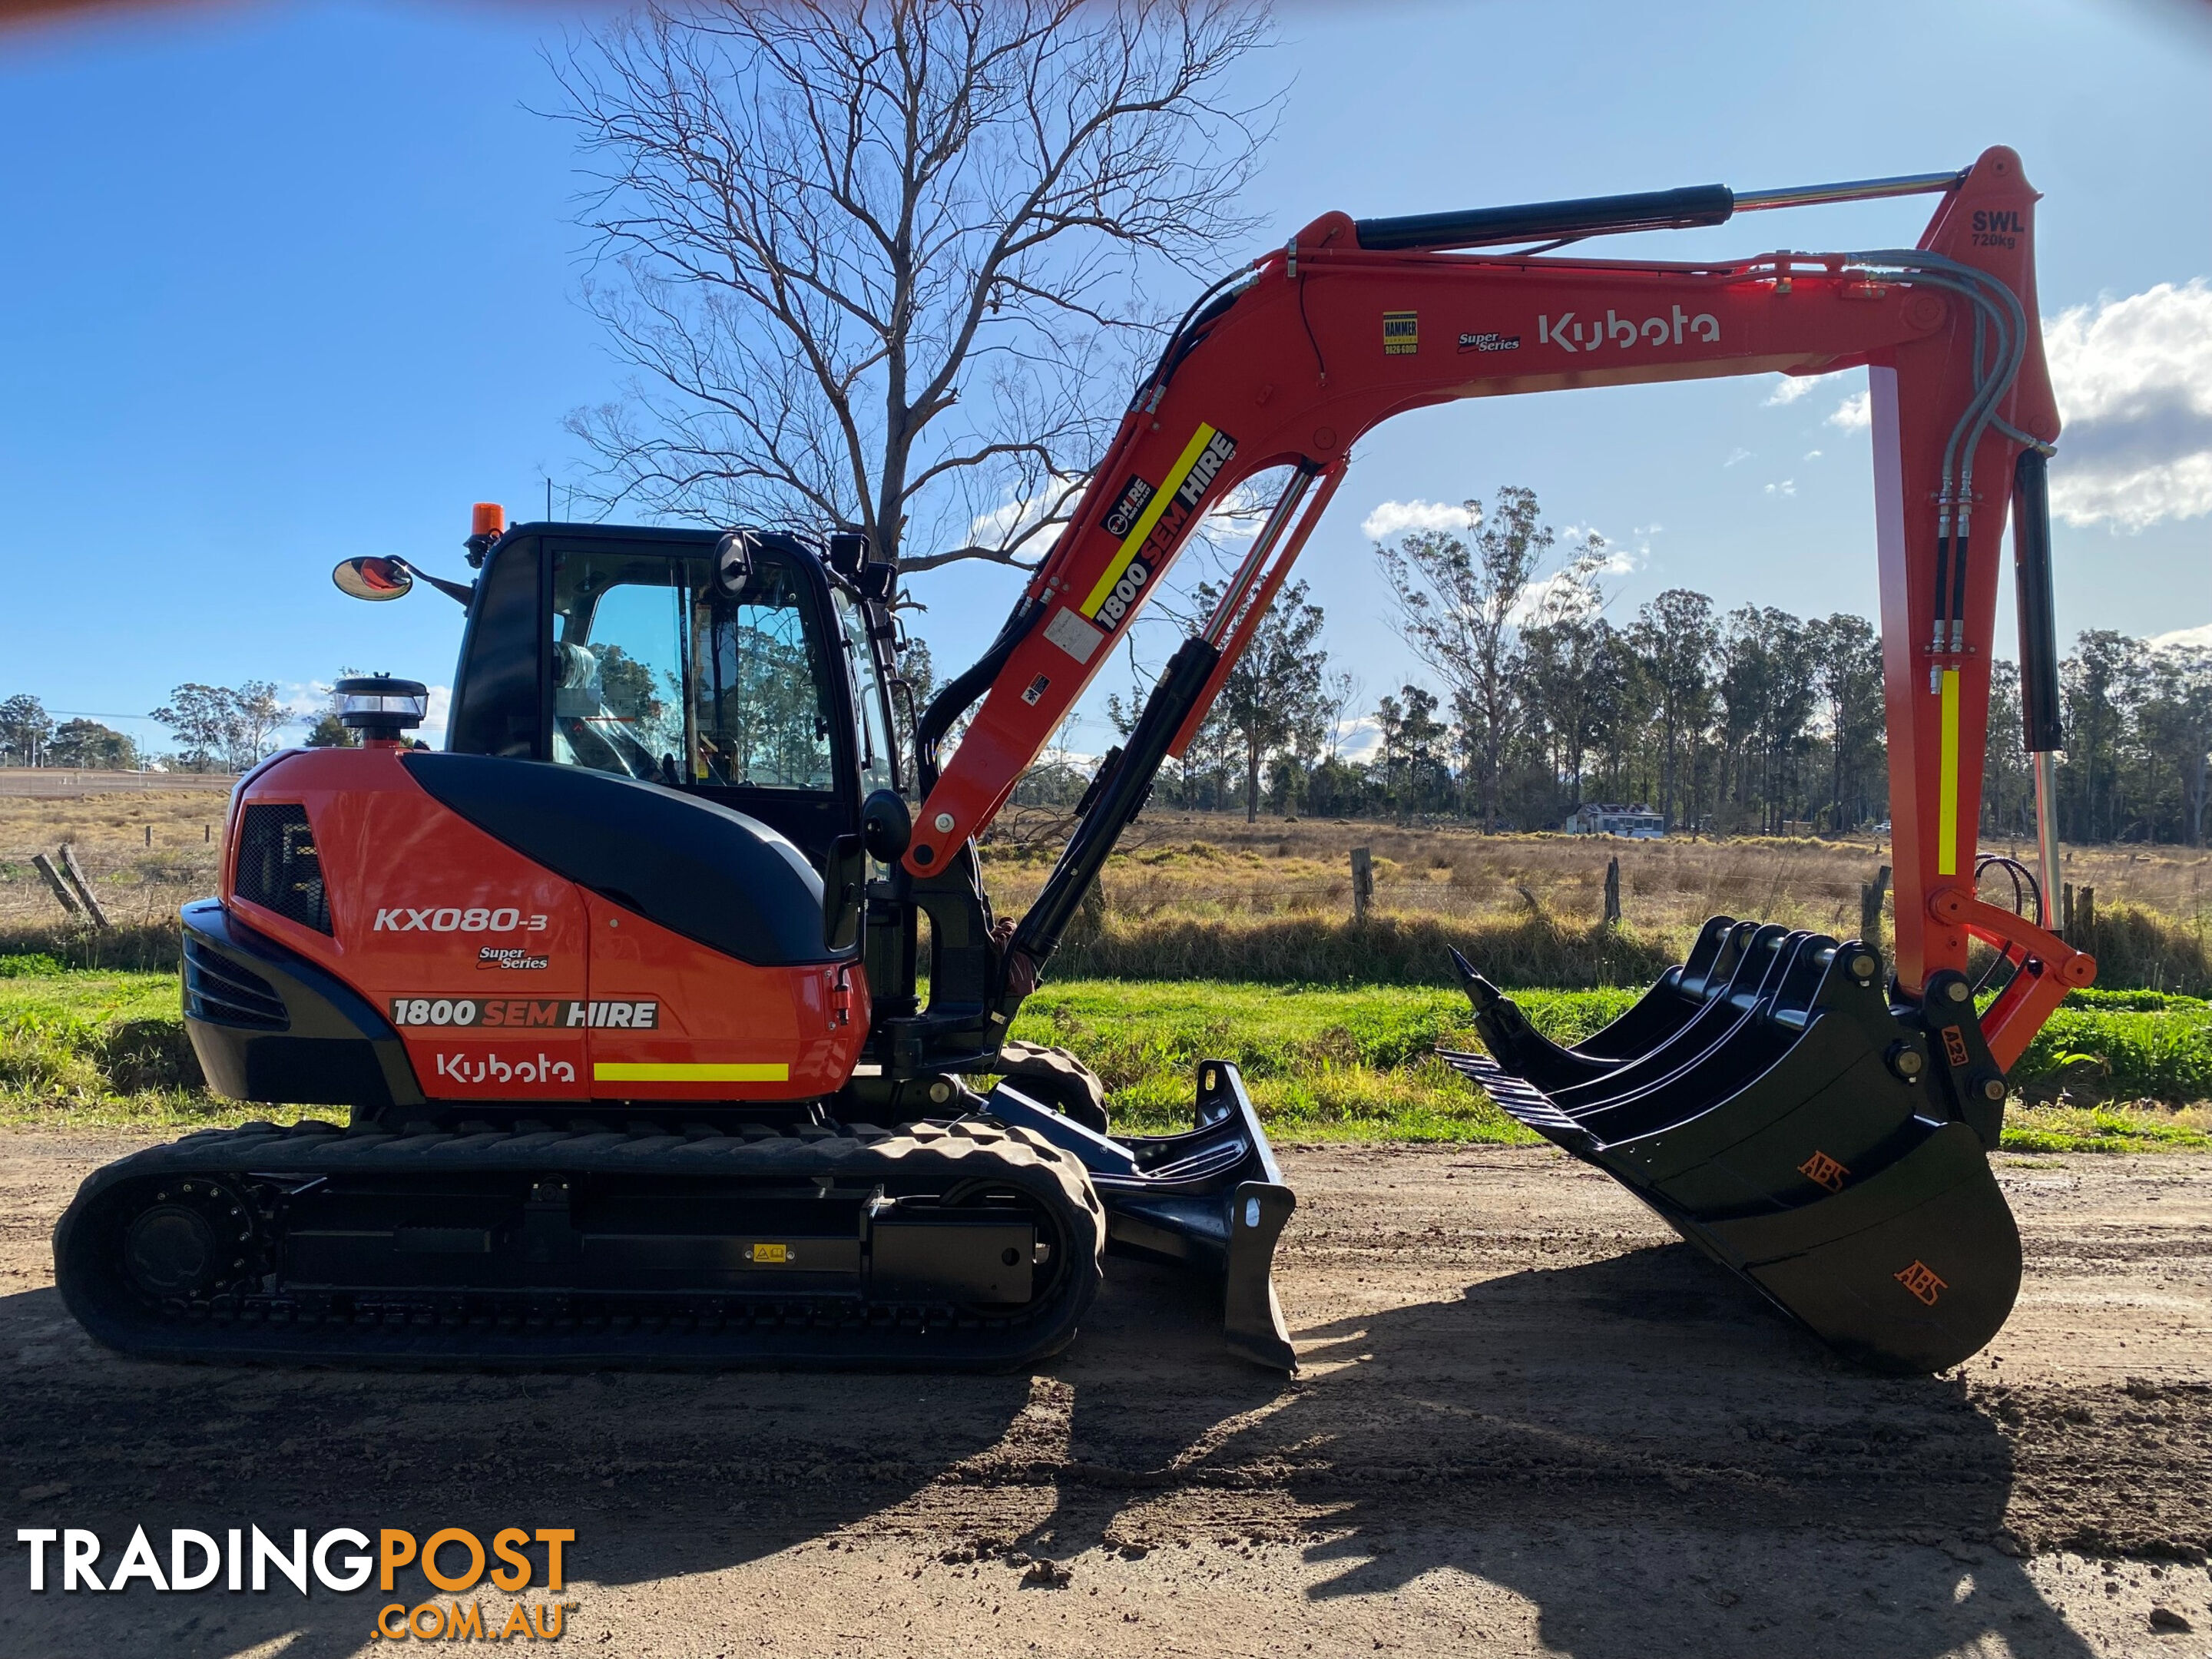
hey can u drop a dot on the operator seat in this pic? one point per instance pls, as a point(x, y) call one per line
point(586, 732)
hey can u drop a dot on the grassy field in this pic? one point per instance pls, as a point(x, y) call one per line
point(2117, 1072)
point(1207, 895)
point(1210, 937)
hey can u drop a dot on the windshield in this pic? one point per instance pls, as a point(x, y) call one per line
point(657, 675)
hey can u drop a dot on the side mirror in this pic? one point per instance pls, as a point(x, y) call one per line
point(733, 562)
point(372, 579)
point(848, 552)
point(886, 826)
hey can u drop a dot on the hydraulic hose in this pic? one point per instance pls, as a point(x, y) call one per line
point(948, 705)
point(1998, 307)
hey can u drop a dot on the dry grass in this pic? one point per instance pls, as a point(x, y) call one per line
point(109, 826)
point(1201, 894)
point(1195, 893)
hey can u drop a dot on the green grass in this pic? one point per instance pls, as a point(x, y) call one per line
point(99, 1048)
point(1321, 1064)
point(107, 1048)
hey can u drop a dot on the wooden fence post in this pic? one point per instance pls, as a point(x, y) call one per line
point(1363, 882)
point(2085, 913)
point(1871, 895)
point(45, 866)
point(2066, 914)
point(74, 871)
point(1612, 892)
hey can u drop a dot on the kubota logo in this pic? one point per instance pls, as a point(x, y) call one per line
point(1567, 334)
point(496, 1068)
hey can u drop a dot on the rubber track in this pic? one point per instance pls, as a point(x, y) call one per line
point(562, 1328)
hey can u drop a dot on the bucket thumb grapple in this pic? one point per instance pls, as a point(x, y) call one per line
point(1775, 1107)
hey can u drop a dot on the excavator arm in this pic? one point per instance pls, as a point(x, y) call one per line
point(1352, 322)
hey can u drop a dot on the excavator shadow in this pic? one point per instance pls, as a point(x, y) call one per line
point(1651, 1458)
point(1635, 1447)
point(661, 1475)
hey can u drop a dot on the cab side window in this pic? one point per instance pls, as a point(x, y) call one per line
point(759, 703)
point(658, 676)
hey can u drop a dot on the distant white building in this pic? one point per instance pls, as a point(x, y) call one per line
point(1611, 818)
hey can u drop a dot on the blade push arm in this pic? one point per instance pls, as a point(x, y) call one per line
point(1325, 339)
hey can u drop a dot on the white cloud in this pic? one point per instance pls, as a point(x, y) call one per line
point(1812, 455)
point(1791, 387)
point(2183, 639)
point(1358, 738)
point(2134, 380)
point(1787, 486)
point(1397, 518)
point(1736, 455)
point(1017, 512)
point(1559, 597)
point(304, 701)
point(1855, 413)
point(433, 729)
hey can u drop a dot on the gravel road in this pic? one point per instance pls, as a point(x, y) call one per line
point(1527, 1422)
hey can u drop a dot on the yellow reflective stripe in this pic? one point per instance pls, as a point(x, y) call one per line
point(1947, 787)
point(1150, 516)
point(623, 1071)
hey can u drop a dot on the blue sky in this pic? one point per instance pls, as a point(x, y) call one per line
point(289, 284)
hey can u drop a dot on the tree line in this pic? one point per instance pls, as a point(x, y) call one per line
point(1524, 699)
point(216, 728)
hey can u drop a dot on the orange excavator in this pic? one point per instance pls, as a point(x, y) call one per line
point(623, 990)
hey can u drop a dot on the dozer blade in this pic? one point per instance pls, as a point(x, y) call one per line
point(1823, 1145)
point(1210, 1199)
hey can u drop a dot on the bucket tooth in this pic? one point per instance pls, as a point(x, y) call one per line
point(1827, 1148)
point(1763, 958)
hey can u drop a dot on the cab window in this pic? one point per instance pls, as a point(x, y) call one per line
point(658, 676)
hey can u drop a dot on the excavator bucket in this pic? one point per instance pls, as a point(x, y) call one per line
point(1772, 1105)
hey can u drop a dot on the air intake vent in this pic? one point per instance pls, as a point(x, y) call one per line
point(277, 867)
point(218, 990)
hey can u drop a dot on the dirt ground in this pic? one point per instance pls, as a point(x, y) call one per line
point(1527, 1423)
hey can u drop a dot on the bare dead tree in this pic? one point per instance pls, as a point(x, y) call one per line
point(882, 262)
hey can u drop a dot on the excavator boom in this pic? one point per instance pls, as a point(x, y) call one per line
point(1352, 322)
